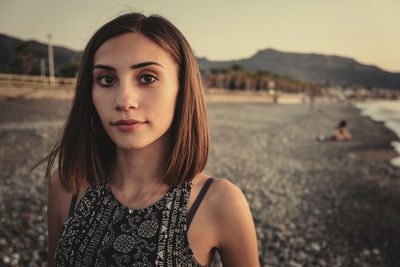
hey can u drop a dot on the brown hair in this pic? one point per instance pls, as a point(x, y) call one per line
point(85, 151)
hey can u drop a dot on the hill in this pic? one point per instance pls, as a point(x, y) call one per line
point(323, 69)
point(8, 53)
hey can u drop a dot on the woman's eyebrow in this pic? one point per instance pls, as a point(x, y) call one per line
point(136, 66)
point(104, 67)
point(144, 64)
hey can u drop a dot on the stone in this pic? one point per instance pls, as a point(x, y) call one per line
point(294, 264)
point(365, 253)
point(315, 247)
point(302, 256)
point(15, 256)
point(6, 259)
point(376, 251)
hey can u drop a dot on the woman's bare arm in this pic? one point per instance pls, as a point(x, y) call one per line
point(237, 241)
point(346, 134)
point(57, 211)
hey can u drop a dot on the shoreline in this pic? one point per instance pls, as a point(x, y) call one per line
point(390, 123)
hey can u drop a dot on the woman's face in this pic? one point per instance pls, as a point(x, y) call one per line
point(135, 86)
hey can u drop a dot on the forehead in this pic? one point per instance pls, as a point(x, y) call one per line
point(132, 48)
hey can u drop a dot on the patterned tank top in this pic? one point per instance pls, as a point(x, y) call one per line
point(103, 232)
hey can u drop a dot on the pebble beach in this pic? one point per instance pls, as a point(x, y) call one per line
point(313, 203)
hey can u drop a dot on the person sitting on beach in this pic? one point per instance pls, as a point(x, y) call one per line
point(341, 133)
point(130, 189)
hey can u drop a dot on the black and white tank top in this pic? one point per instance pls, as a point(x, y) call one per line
point(103, 232)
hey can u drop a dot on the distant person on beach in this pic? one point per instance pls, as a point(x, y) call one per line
point(312, 101)
point(341, 133)
point(130, 189)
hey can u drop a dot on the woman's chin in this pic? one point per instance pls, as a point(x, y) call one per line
point(130, 146)
point(139, 144)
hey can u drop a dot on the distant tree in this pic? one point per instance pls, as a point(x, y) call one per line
point(237, 78)
point(24, 57)
point(232, 83)
point(69, 70)
point(215, 71)
point(263, 73)
point(236, 67)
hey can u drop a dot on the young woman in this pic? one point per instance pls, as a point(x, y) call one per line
point(129, 189)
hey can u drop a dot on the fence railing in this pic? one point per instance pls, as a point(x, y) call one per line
point(35, 81)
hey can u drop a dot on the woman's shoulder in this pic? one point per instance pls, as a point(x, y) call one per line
point(229, 215)
point(226, 197)
point(55, 188)
point(59, 199)
point(223, 198)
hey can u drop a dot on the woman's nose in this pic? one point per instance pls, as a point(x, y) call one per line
point(127, 96)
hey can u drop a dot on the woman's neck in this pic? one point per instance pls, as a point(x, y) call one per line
point(138, 171)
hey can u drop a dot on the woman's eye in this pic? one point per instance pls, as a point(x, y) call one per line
point(147, 79)
point(106, 80)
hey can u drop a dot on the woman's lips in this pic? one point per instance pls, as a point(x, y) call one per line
point(127, 125)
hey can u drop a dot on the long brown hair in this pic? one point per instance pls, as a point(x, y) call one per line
point(85, 151)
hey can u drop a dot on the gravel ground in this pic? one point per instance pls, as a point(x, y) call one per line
point(313, 203)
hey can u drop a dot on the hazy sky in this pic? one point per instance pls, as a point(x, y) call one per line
point(366, 30)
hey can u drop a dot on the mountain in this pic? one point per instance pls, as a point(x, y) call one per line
point(8, 48)
point(326, 70)
point(323, 69)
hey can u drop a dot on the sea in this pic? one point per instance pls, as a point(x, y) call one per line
point(385, 111)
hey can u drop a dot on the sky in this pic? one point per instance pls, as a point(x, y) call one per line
point(366, 30)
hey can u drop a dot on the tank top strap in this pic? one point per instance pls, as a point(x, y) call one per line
point(197, 201)
point(72, 205)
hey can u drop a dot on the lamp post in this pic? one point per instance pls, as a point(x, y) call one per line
point(51, 60)
point(42, 67)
